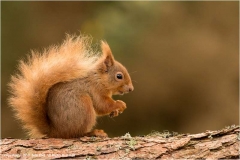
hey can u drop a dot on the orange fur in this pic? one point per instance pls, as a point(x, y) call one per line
point(69, 63)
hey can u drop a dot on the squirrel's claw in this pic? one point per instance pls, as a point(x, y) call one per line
point(121, 108)
point(114, 114)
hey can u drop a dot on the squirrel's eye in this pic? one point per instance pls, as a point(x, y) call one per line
point(119, 76)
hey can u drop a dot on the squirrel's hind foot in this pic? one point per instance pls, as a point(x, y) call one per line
point(97, 133)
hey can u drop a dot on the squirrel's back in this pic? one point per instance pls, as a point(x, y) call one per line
point(73, 59)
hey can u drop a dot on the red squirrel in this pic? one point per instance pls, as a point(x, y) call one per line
point(60, 92)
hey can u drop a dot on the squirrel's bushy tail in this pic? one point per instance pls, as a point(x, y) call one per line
point(29, 88)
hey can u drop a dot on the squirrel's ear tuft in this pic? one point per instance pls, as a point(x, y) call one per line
point(107, 54)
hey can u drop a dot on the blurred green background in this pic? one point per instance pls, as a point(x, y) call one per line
point(182, 56)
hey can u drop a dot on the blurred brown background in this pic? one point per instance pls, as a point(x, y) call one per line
point(182, 56)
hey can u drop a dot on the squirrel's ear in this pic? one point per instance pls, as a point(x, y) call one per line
point(107, 54)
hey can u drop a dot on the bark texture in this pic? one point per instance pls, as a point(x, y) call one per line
point(210, 144)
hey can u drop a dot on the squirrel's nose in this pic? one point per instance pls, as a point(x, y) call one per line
point(131, 88)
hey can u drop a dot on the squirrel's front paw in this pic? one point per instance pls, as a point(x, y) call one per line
point(121, 106)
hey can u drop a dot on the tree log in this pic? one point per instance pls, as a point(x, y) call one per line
point(210, 144)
